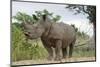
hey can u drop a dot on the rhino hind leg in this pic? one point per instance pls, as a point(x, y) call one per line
point(64, 52)
point(71, 49)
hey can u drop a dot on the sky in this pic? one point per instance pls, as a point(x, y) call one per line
point(67, 16)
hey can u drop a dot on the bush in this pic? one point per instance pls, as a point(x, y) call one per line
point(83, 52)
point(22, 50)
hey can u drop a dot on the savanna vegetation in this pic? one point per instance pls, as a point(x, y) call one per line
point(23, 49)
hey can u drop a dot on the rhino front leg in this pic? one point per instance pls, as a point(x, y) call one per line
point(50, 52)
point(58, 50)
point(48, 48)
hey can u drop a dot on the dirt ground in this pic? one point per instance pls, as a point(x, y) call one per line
point(74, 59)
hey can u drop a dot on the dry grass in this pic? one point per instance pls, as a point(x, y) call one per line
point(74, 59)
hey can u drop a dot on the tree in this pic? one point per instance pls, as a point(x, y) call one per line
point(53, 17)
point(56, 18)
point(76, 29)
point(90, 11)
point(23, 17)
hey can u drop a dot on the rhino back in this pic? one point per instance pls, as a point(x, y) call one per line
point(62, 31)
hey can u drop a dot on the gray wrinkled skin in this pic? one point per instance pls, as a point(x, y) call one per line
point(53, 35)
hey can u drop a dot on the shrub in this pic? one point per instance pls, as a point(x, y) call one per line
point(22, 50)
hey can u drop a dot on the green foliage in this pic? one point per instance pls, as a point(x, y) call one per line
point(83, 52)
point(89, 10)
point(55, 18)
point(23, 17)
point(22, 50)
point(44, 12)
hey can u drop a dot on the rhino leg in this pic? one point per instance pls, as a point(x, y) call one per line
point(50, 52)
point(71, 49)
point(58, 50)
point(48, 48)
point(71, 46)
point(64, 52)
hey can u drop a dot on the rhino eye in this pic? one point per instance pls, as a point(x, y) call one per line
point(29, 32)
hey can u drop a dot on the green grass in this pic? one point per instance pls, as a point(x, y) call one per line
point(83, 53)
point(32, 52)
point(23, 50)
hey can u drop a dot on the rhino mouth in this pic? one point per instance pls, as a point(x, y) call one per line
point(27, 35)
point(30, 37)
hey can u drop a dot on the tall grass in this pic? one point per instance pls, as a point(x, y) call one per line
point(83, 52)
point(22, 50)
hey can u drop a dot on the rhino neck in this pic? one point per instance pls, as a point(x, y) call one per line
point(47, 27)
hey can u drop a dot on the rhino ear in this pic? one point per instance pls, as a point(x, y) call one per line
point(35, 17)
point(44, 17)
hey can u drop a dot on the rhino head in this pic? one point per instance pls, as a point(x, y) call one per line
point(34, 31)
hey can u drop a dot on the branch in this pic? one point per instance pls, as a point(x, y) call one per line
point(85, 11)
point(81, 44)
